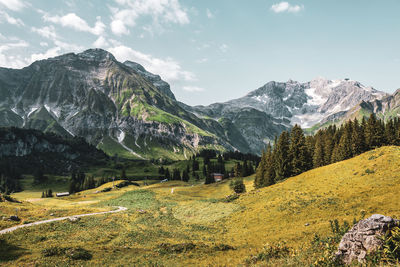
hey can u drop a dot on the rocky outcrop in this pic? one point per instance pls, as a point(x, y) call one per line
point(364, 237)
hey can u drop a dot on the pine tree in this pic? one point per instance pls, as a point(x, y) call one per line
point(319, 154)
point(344, 146)
point(299, 154)
point(123, 173)
point(167, 174)
point(185, 176)
point(260, 172)
point(50, 193)
point(390, 132)
point(269, 177)
point(374, 132)
point(357, 138)
point(282, 157)
point(238, 170)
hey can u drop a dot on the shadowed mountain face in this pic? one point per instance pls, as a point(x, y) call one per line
point(126, 110)
point(108, 103)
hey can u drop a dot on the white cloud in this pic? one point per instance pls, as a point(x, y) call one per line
point(286, 7)
point(14, 5)
point(118, 27)
point(168, 68)
point(12, 60)
point(224, 48)
point(75, 22)
point(160, 11)
point(9, 19)
point(68, 47)
point(101, 42)
point(193, 89)
point(209, 14)
point(44, 44)
point(48, 32)
point(53, 52)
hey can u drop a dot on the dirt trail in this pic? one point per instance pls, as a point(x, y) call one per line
point(12, 229)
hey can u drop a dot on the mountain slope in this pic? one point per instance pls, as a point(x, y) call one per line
point(30, 149)
point(281, 105)
point(92, 95)
point(202, 229)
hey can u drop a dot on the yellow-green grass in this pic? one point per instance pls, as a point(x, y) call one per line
point(159, 217)
point(33, 208)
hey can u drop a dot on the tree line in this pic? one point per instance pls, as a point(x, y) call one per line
point(294, 153)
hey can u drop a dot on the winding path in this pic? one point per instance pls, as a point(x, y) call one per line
point(12, 229)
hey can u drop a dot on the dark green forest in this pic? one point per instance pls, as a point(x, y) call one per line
point(294, 153)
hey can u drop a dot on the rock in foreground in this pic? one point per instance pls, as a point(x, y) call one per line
point(364, 237)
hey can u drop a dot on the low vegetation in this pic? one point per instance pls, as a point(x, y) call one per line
point(286, 224)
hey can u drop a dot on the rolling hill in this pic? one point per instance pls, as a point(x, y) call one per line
point(195, 225)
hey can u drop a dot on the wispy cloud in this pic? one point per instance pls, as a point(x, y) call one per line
point(286, 7)
point(168, 68)
point(127, 12)
point(209, 14)
point(193, 89)
point(14, 5)
point(75, 22)
point(4, 16)
point(48, 32)
point(8, 59)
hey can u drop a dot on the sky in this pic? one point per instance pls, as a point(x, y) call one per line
point(215, 50)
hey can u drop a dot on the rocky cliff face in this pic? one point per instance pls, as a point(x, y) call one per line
point(93, 95)
point(276, 106)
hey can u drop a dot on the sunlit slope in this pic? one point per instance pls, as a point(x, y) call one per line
point(369, 183)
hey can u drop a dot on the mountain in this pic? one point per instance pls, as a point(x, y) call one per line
point(266, 112)
point(118, 107)
point(28, 149)
point(124, 109)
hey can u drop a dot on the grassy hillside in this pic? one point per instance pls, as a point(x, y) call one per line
point(193, 225)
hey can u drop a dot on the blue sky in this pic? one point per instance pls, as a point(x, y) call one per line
point(215, 50)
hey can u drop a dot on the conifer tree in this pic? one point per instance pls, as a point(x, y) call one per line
point(390, 132)
point(344, 150)
point(319, 154)
point(269, 176)
point(167, 174)
point(260, 172)
point(357, 138)
point(282, 157)
point(299, 154)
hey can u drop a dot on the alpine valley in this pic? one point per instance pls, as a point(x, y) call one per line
point(123, 109)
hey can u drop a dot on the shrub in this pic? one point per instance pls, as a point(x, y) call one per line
point(269, 252)
point(238, 186)
point(368, 171)
point(231, 198)
point(53, 251)
point(72, 253)
point(78, 254)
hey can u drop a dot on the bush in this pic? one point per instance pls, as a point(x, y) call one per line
point(269, 252)
point(238, 186)
point(231, 198)
point(78, 254)
point(53, 251)
point(72, 253)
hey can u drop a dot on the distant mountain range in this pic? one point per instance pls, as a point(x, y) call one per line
point(126, 110)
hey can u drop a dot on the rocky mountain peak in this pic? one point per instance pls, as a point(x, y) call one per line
point(96, 54)
point(156, 80)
